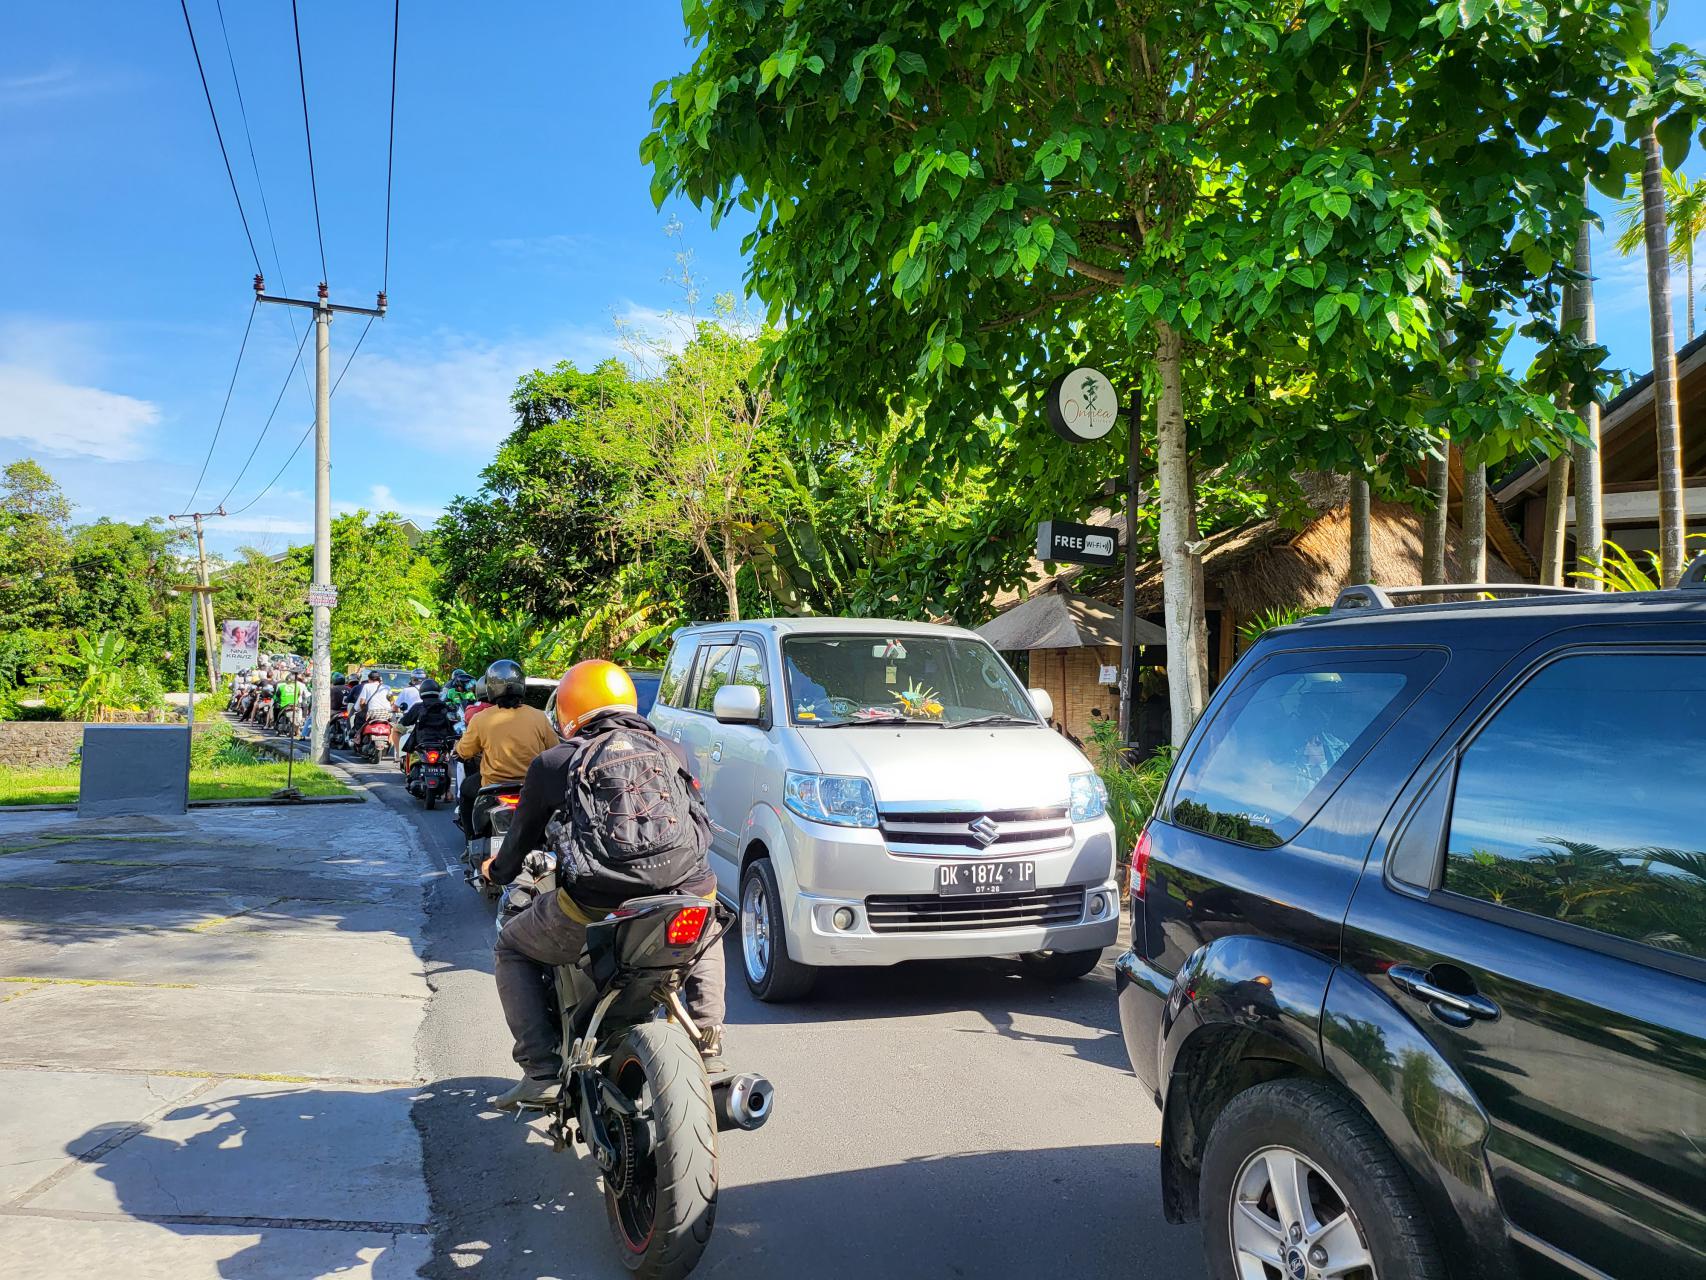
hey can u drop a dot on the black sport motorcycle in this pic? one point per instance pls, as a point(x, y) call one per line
point(494, 810)
point(428, 775)
point(634, 1084)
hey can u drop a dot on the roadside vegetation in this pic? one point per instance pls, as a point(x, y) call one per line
point(222, 767)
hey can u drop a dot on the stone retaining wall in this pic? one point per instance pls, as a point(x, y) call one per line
point(36, 743)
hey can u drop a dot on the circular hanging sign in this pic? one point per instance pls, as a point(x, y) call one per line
point(1082, 406)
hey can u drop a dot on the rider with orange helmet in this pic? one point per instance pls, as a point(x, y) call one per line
point(594, 699)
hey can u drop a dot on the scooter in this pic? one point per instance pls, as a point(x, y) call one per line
point(375, 740)
point(494, 810)
point(427, 770)
point(337, 731)
point(634, 1087)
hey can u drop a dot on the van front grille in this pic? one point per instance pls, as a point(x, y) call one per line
point(926, 912)
point(954, 834)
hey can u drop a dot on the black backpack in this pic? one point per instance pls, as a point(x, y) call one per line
point(631, 823)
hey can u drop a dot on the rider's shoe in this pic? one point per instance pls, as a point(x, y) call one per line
point(529, 1092)
point(711, 1049)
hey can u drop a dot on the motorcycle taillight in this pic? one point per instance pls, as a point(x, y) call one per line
point(432, 757)
point(686, 925)
point(511, 800)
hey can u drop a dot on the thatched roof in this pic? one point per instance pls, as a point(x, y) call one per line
point(1063, 620)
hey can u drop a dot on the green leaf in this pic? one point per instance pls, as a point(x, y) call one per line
point(1378, 13)
point(1675, 134)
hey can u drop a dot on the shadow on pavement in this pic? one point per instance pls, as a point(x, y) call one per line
point(258, 1181)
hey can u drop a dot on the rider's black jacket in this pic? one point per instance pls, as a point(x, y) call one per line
point(429, 718)
point(546, 787)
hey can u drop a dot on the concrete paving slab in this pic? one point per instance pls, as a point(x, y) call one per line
point(54, 1248)
point(220, 1032)
point(51, 1117)
point(307, 882)
point(249, 1149)
point(43, 911)
point(376, 964)
point(308, 920)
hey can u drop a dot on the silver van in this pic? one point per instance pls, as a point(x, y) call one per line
point(887, 791)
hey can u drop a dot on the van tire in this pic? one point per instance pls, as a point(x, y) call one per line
point(764, 939)
point(1060, 966)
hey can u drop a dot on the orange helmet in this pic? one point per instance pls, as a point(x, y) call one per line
point(586, 687)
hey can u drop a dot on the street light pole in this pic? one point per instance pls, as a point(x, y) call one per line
point(320, 593)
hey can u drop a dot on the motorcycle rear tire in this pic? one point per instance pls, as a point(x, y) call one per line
point(682, 1171)
point(431, 800)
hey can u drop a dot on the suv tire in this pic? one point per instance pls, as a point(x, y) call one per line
point(771, 973)
point(1351, 1171)
point(1060, 966)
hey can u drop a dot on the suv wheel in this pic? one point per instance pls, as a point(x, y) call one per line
point(771, 974)
point(1297, 1182)
point(1060, 966)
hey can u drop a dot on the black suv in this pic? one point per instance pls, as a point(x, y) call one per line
point(1418, 973)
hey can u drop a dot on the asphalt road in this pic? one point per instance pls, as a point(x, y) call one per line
point(932, 1120)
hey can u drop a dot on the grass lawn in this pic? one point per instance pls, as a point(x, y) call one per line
point(216, 781)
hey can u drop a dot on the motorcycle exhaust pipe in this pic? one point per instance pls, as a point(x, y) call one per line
point(742, 1101)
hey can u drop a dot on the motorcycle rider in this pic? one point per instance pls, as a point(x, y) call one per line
point(407, 699)
point(288, 697)
point(504, 740)
point(594, 698)
point(429, 720)
point(458, 690)
point(373, 687)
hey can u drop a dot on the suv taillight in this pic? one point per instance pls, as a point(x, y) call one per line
point(1140, 864)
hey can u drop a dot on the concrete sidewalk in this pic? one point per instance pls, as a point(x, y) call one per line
point(207, 1045)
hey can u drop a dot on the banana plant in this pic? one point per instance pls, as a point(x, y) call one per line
point(102, 666)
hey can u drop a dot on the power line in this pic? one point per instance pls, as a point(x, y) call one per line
point(391, 146)
point(241, 348)
point(267, 425)
point(303, 438)
point(214, 115)
point(313, 185)
point(255, 165)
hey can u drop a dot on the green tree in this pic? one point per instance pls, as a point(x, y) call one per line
point(35, 546)
point(272, 591)
point(377, 573)
point(1685, 213)
point(1255, 214)
point(122, 579)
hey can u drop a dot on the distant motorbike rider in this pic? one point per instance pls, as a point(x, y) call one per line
point(595, 699)
point(370, 702)
point(458, 690)
point(504, 740)
point(429, 720)
point(409, 694)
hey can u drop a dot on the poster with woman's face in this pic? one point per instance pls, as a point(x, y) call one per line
point(239, 645)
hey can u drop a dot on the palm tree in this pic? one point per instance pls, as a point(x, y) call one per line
point(1685, 212)
point(1666, 410)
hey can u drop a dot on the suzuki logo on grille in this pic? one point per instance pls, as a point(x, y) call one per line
point(987, 830)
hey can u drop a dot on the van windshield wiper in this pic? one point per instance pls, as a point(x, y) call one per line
point(998, 717)
point(883, 719)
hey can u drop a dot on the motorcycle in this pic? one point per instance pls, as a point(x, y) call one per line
point(494, 810)
point(261, 712)
point(427, 770)
point(337, 731)
point(634, 1087)
point(375, 740)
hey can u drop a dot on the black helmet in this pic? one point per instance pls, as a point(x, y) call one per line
point(505, 679)
point(430, 688)
point(460, 679)
point(338, 678)
point(480, 690)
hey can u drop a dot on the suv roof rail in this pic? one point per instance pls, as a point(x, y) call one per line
point(1367, 596)
point(1694, 576)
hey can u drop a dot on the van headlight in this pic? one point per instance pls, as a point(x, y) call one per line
point(1089, 796)
point(823, 797)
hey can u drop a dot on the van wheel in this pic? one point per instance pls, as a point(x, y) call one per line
point(1297, 1181)
point(1060, 966)
point(771, 974)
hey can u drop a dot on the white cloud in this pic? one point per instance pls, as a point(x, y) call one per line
point(55, 416)
point(380, 498)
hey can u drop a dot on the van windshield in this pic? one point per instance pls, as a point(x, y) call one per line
point(918, 679)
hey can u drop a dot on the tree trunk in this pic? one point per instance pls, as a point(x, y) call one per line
point(1578, 307)
point(1434, 519)
point(1474, 566)
point(1691, 291)
point(1552, 537)
point(1362, 539)
point(1187, 639)
point(1671, 521)
point(731, 584)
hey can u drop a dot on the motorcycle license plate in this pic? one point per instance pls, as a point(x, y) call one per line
point(959, 879)
point(435, 773)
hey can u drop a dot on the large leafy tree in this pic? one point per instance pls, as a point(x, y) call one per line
point(377, 572)
point(1254, 211)
point(271, 590)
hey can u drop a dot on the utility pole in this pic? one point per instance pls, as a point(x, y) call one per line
point(1128, 584)
point(321, 596)
point(204, 598)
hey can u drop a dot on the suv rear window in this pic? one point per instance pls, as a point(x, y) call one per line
point(1580, 800)
point(1290, 732)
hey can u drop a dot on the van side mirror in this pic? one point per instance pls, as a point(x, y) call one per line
point(1044, 704)
point(738, 704)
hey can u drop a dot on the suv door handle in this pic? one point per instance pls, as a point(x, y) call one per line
point(717, 753)
point(1448, 1006)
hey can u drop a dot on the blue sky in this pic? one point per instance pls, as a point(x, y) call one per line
point(522, 231)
